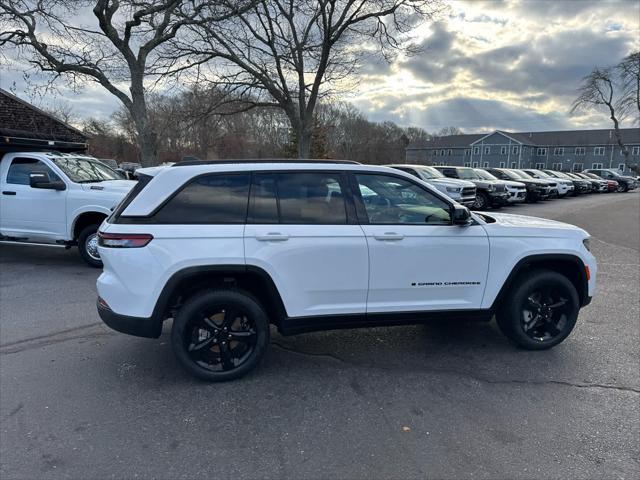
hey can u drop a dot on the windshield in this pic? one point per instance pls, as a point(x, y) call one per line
point(522, 174)
point(510, 174)
point(485, 175)
point(430, 172)
point(467, 174)
point(539, 174)
point(593, 175)
point(83, 170)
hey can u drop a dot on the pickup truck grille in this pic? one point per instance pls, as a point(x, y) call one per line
point(553, 185)
point(501, 188)
point(469, 192)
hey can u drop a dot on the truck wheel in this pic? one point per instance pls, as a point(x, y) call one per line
point(540, 311)
point(88, 246)
point(220, 335)
point(482, 201)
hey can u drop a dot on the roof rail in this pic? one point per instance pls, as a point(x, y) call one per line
point(261, 160)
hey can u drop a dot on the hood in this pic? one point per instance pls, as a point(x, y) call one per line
point(513, 183)
point(110, 186)
point(450, 182)
point(507, 224)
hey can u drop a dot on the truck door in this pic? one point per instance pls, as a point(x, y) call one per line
point(27, 212)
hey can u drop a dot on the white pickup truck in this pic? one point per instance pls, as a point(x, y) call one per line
point(57, 198)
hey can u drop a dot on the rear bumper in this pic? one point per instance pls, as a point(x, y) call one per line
point(136, 326)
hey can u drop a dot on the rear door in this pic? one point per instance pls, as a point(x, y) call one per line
point(418, 260)
point(302, 230)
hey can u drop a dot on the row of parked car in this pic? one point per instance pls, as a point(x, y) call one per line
point(483, 188)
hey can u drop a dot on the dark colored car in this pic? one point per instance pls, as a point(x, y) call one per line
point(489, 193)
point(625, 183)
point(579, 185)
point(536, 190)
point(612, 185)
point(584, 186)
point(598, 185)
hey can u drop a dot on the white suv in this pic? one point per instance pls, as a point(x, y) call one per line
point(227, 248)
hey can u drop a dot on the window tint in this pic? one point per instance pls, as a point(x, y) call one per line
point(311, 198)
point(264, 205)
point(213, 199)
point(392, 200)
point(20, 169)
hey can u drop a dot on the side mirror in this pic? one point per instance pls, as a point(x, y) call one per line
point(461, 216)
point(42, 180)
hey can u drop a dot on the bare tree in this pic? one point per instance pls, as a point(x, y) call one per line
point(628, 71)
point(120, 50)
point(292, 53)
point(446, 131)
point(598, 90)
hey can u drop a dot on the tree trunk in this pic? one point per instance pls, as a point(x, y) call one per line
point(304, 142)
point(147, 137)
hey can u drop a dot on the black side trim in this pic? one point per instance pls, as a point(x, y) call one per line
point(534, 260)
point(187, 163)
point(296, 325)
point(137, 326)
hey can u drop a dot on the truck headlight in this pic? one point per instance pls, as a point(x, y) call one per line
point(453, 189)
point(587, 243)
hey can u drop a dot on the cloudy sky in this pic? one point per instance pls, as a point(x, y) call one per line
point(508, 64)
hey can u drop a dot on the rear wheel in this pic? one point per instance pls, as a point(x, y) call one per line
point(220, 335)
point(88, 246)
point(540, 311)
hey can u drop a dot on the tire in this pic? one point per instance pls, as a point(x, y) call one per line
point(621, 188)
point(87, 246)
point(528, 317)
point(482, 201)
point(204, 324)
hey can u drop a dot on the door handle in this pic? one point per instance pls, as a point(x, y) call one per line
point(272, 237)
point(389, 237)
point(8, 193)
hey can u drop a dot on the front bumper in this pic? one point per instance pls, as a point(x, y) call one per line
point(517, 196)
point(498, 198)
point(136, 326)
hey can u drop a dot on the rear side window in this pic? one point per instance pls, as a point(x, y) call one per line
point(20, 169)
point(211, 199)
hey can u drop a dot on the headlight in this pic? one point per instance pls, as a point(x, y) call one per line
point(454, 189)
point(587, 243)
point(490, 188)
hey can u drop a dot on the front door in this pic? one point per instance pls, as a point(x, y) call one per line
point(31, 212)
point(301, 222)
point(418, 260)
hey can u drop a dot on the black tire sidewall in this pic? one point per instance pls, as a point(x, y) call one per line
point(82, 238)
point(509, 316)
point(485, 200)
point(210, 298)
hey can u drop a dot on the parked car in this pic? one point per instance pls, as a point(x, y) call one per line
point(489, 193)
point(625, 183)
point(564, 185)
point(598, 185)
point(58, 198)
point(536, 190)
point(461, 191)
point(517, 190)
point(583, 185)
point(551, 183)
point(227, 249)
point(579, 186)
point(612, 185)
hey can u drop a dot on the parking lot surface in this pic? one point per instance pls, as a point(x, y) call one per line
point(442, 400)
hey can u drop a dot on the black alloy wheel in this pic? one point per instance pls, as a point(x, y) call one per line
point(545, 314)
point(482, 201)
point(220, 335)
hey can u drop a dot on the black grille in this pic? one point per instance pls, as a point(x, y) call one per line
point(500, 188)
point(467, 191)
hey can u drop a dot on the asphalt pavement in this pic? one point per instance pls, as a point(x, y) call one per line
point(442, 400)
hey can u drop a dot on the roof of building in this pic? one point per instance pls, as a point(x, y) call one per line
point(24, 126)
point(551, 138)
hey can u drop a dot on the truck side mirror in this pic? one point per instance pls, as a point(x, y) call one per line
point(461, 216)
point(42, 180)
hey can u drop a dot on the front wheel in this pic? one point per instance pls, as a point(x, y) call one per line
point(220, 335)
point(482, 201)
point(88, 246)
point(540, 311)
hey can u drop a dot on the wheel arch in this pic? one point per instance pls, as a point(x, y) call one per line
point(188, 281)
point(84, 219)
point(571, 266)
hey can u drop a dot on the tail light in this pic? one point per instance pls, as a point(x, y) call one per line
point(124, 240)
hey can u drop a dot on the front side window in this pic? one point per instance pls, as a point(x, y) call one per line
point(21, 168)
point(210, 199)
point(394, 201)
point(82, 170)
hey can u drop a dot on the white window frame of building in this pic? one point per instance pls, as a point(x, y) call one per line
point(539, 166)
point(487, 150)
point(513, 164)
point(503, 150)
point(485, 165)
point(503, 164)
point(475, 164)
point(515, 150)
point(467, 151)
point(476, 150)
point(541, 151)
point(598, 151)
point(577, 167)
point(580, 151)
point(467, 164)
point(435, 153)
point(558, 152)
point(635, 151)
point(557, 166)
point(621, 167)
point(442, 152)
point(596, 165)
point(449, 152)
